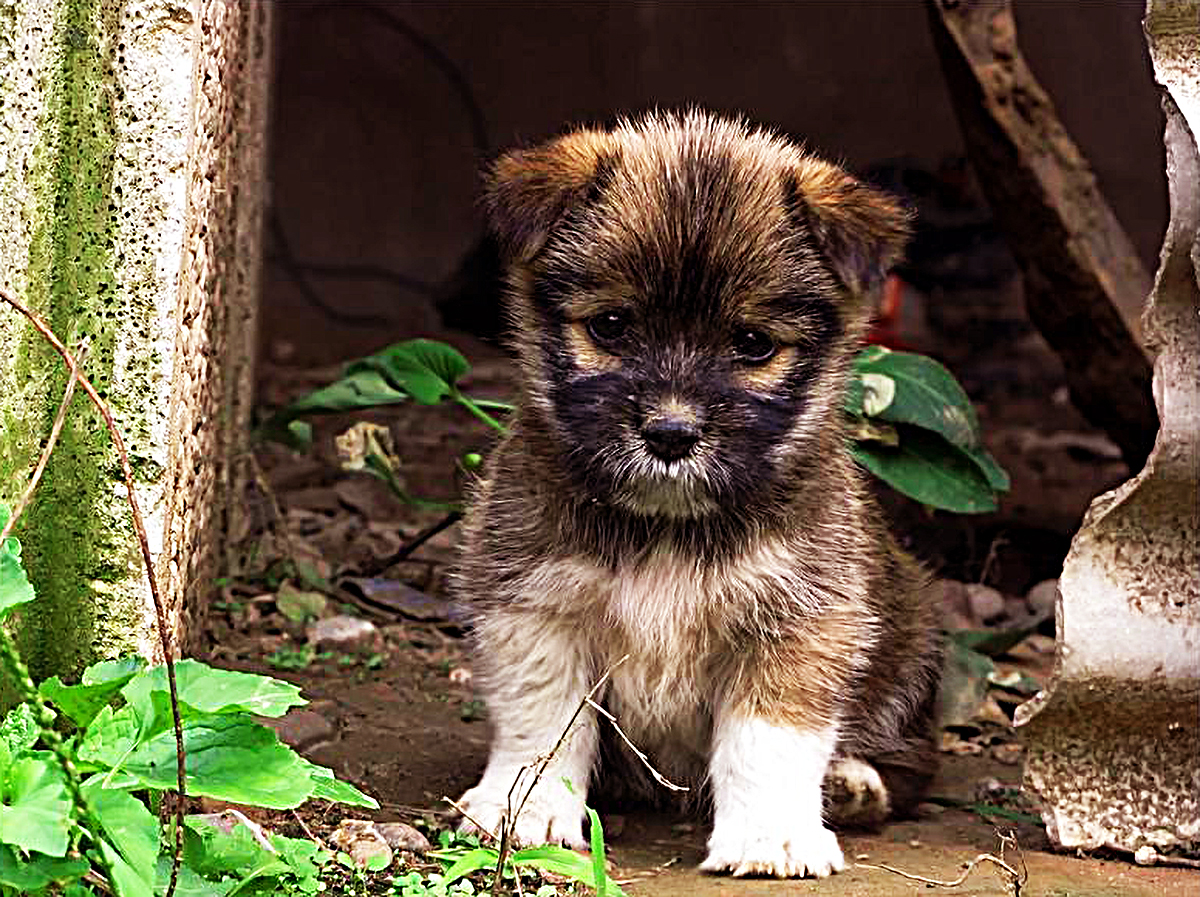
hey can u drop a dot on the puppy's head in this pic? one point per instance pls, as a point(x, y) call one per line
point(685, 294)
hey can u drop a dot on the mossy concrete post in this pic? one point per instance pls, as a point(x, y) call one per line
point(1113, 742)
point(131, 192)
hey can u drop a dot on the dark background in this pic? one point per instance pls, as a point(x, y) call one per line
point(376, 148)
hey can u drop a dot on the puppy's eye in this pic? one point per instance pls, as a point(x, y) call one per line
point(608, 327)
point(753, 347)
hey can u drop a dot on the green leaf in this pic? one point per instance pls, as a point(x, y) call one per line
point(361, 387)
point(596, 837)
point(130, 836)
point(927, 468)
point(14, 584)
point(468, 862)
point(561, 861)
point(19, 731)
point(34, 806)
point(994, 642)
point(227, 758)
point(207, 690)
point(81, 703)
point(925, 395)
point(31, 873)
point(425, 369)
point(113, 670)
point(327, 787)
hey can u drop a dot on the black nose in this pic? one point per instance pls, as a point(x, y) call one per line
point(669, 438)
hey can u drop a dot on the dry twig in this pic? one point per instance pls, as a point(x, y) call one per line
point(1016, 880)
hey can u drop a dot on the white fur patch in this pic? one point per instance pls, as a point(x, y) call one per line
point(766, 782)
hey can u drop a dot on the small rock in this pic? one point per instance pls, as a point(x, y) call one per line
point(343, 631)
point(1041, 597)
point(301, 729)
point(1145, 855)
point(402, 836)
point(461, 676)
point(366, 846)
point(985, 603)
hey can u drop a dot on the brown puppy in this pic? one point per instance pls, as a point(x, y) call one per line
point(686, 295)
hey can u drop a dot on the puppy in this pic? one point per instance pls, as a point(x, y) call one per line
point(686, 294)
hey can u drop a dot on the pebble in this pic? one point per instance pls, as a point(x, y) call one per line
point(1041, 597)
point(984, 602)
point(342, 631)
point(301, 729)
point(402, 836)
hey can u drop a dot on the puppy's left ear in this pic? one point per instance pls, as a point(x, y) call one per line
point(529, 191)
point(860, 231)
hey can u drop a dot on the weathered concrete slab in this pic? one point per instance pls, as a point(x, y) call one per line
point(131, 138)
point(1114, 741)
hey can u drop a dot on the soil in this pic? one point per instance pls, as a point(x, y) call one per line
point(396, 713)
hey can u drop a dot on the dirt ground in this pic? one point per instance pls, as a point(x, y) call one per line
point(395, 711)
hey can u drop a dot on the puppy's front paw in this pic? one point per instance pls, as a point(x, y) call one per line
point(782, 852)
point(546, 818)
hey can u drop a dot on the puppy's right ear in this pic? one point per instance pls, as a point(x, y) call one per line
point(529, 191)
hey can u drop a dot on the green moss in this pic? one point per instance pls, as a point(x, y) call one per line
point(78, 546)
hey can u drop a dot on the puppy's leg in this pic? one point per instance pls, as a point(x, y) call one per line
point(856, 794)
point(540, 677)
point(766, 784)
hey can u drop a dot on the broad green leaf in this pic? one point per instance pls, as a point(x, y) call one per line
point(109, 737)
point(327, 787)
point(994, 642)
point(190, 883)
point(927, 468)
point(113, 670)
point(361, 387)
point(425, 369)
point(81, 703)
point(208, 690)
point(19, 731)
point(926, 395)
point(227, 758)
point(14, 584)
point(31, 873)
point(130, 836)
point(34, 807)
point(211, 850)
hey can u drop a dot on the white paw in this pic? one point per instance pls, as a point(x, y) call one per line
point(756, 850)
point(551, 815)
point(855, 793)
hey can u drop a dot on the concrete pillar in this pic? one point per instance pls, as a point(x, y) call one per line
point(1113, 742)
point(131, 193)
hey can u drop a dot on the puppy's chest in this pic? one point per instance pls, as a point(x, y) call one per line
point(662, 615)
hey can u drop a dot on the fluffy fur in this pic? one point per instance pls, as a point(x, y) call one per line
point(686, 294)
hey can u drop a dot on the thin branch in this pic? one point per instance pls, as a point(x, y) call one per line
point(139, 526)
point(56, 429)
point(982, 858)
point(658, 776)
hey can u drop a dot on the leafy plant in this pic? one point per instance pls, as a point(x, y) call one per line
point(911, 424)
point(72, 805)
point(464, 855)
point(913, 427)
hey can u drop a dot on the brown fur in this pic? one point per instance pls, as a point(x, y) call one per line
point(755, 579)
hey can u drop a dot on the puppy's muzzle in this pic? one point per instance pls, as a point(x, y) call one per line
point(670, 438)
